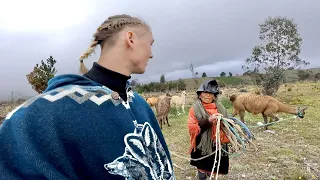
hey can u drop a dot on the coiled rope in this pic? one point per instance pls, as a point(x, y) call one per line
point(233, 128)
point(237, 132)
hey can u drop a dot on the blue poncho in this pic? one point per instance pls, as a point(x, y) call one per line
point(80, 129)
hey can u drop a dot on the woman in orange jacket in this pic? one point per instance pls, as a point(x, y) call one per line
point(202, 129)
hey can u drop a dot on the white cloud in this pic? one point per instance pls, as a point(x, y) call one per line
point(207, 33)
point(42, 15)
point(212, 70)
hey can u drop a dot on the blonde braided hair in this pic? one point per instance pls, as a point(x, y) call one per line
point(107, 32)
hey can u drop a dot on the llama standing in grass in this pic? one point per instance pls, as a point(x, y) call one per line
point(152, 101)
point(163, 107)
point(179, 102)
point(266, 105)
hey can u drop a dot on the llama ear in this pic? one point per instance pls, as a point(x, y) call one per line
point(304, 108)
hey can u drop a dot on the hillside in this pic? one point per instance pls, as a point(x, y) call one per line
point(233, 80)
point(237, 80)
point(292, 74)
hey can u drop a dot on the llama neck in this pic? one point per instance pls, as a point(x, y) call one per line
point(287, 109)
point(183, 99)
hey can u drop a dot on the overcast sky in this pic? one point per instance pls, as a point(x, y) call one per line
point(214, 35)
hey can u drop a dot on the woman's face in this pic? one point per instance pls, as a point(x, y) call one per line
point(206, 97)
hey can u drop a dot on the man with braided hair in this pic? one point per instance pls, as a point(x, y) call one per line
point(92, 126)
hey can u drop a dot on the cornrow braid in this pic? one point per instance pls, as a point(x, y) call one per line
point(93, 45)
point(106, 31)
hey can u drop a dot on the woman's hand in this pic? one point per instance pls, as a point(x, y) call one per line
point(214, 117)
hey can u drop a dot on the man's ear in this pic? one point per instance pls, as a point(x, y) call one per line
point(130, 38)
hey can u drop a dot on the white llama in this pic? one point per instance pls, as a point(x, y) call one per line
point(177, 102)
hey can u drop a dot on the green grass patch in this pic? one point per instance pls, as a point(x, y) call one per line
point(226, 103)
point(283, 152)
point(230, 80)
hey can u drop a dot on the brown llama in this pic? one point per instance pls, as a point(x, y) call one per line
point(266, 105)
point(163, 107)
point(2, 119)
point(152, 101)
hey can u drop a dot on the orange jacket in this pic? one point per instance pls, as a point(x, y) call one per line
point(194, 128)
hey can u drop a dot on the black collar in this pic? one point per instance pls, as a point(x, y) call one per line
point(111, 79)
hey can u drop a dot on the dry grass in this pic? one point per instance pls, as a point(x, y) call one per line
point(292, 152)
point(6, 107)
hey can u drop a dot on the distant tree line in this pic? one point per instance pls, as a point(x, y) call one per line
point(303, 75)
point(161, 86)
point(223, 74)
point(308, 75)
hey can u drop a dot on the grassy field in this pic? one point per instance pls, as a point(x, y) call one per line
point(292, 152)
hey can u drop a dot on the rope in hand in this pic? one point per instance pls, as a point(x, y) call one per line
point(234, 133)
point(246, 129)
point(218, 146)
point(233, 128)
point(270, 123)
